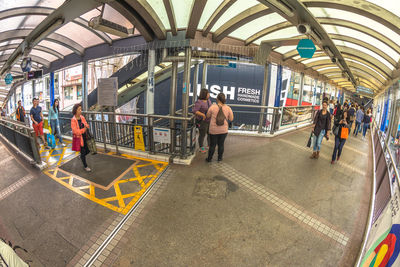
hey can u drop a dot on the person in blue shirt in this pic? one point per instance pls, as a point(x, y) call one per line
point(54, 120)
point(37, 121)
point(359, 120)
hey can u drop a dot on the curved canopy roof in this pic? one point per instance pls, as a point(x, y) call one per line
point(363, 36)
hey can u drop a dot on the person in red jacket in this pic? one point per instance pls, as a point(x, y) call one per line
point(79, 127)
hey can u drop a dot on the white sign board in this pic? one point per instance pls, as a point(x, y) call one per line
point(107, 93)
point(162, 135)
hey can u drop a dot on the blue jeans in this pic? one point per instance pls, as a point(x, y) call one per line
point(55, 128)
point(318, 140)
point(357, 129)
point(339, 143)
point(365, 128)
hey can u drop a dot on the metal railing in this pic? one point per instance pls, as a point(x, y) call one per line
point(22, 137)
point(392, 171)
point(265, 119)
point(107, 128)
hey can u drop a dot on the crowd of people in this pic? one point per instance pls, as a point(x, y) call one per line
point(342, 117)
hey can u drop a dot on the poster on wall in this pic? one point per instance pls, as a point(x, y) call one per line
point(292, 115)
point(383, 246)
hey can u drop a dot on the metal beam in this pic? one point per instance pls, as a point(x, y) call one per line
point(195, 15)
point(297, 13)
point(239, 20)
point(133, 17)
point(362, 8)
point(224, 6)
point(356, 55)
point(171, 16)
point(38, 47)
point(45, 11)
point(269, 30)
point(67, 12)
point(365, 45)
point(360, 28)
point(40, 60)
point(144, 9)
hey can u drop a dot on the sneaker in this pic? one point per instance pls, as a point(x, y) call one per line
point(332, 162)
point(88, 169)
point(63, 145)
point(220, 159)
point(47, 147)
point(208, 160)
point(337, 158)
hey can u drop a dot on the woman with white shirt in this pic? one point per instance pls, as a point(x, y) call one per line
point(218, 129)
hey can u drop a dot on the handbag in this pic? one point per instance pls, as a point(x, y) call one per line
point(91, 143)
point(309, 140)
point(51, 141)
point(76, 143)
point(344, 133)
point(335, 130)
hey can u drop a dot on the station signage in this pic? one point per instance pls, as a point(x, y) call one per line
point(306, 48)
point(8, 79)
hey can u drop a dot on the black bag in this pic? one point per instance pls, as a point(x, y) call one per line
point(220, 120)
point(91, 143)
point(335, 130)
point(309, 140)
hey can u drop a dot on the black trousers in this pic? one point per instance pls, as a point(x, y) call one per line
point(84, 152)
point(339, 143)
point(217, 139)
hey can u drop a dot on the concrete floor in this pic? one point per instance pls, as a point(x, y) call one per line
point(209, 214)
point(183, 228)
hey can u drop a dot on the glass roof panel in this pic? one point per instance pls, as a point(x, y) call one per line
point(182, 12)
point(314, 59)
point(257, 25)
point(59, 48)
point(235, 9)
point(44, 55)
point(285, 49)
point(353, 17)
point(10, 23)
point(112, 15)
point(388, 5)
point(362, 37)
point(369, 52)
point(24, 3)
point(328, 68)
point(159, 8)
point(92, 13)
point(33, 21)
point(209, 9)
point(79, 34)
point(352, 60)
point(284, 33)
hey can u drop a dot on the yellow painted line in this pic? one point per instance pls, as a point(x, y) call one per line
point(71, 181)
point(145, 165)
point(61, 157)
point(92, 190)
point(121, 202)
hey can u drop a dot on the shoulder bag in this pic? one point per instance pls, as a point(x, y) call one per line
point(91, 143)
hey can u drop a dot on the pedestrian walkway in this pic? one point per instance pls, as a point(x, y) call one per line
point(266, 204)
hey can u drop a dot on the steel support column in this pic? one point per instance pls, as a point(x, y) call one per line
point(22, 95)
point(33, 89)
point(172, 105)
point(185, 100)
point(195, 82)
point(51, 88)
point(301, 89)
point(393, 108)
point(149, 107)
point(204, 76)
point(264, 97)
point(85, 92)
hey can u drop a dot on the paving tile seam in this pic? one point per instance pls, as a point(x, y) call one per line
point(285, 206)
point(15, 186)
point(340, 163)
point(9, 158)
point(114, 248)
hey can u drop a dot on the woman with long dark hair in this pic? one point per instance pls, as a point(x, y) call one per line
point(321, 129)
point(200, 110)
point(54, 112)
point(341, 120)
point(79, 127)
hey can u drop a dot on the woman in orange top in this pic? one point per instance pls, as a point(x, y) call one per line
point(79, 126)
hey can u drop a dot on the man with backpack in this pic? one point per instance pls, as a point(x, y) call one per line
point(220, 114)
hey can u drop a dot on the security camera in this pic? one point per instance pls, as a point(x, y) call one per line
point(333, 60)
point(304, 28)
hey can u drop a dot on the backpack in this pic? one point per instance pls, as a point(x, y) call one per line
point(220, 120)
